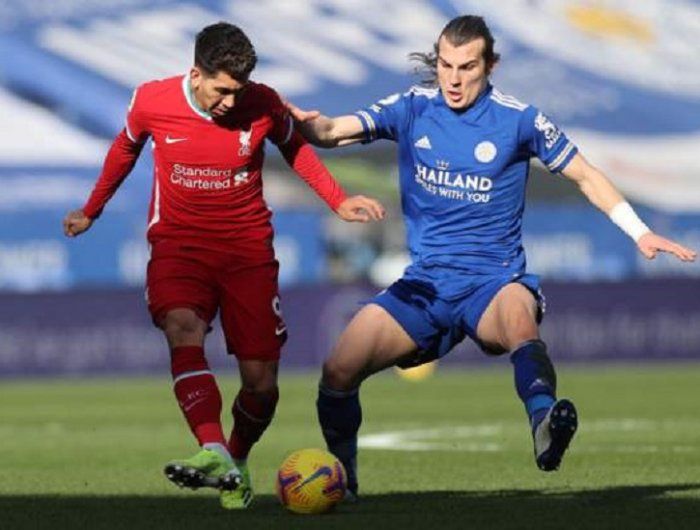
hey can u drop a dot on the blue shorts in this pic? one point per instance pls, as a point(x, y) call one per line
point(437, 325)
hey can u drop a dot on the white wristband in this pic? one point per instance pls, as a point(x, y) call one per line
point(629, 222)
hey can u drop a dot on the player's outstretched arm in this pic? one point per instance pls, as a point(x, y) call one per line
point(602, 193)
point(301, 157)
point(75, 223)
point(323, 131)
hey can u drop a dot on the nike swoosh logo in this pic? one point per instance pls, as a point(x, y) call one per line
point(189, 406)
point(324, 471)
point(280, 329)
point(169, 140)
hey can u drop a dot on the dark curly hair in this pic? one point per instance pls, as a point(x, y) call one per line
point(223, 47)
point(458, 31)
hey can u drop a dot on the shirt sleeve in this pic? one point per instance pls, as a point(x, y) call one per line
point(543, 139)
point(118, 163)
point(135, 127)
point(282, 122)
point(385, 119)
point(303, 159)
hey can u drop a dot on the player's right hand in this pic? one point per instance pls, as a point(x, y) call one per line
point(75, 223)
point(361, 209)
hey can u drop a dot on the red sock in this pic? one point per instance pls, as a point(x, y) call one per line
point(252, 413)
point(197, 394)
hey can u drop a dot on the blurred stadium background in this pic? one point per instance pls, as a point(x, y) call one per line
point(622, 77)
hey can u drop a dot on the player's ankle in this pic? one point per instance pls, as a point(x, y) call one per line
point(218, 448)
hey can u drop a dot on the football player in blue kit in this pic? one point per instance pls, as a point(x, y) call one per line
point(464, 150)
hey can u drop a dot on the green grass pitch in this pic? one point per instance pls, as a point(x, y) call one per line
point(452, 451)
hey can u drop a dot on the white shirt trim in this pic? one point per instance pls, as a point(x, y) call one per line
point(191, 374)
point(156, 200)
point(290, 123)
point(186, 90)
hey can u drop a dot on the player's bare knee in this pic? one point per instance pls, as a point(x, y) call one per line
point(183, 327)
point(520, 331)
point(264, 385)
point(339, 376)
point(259, 377)
point(263, 393)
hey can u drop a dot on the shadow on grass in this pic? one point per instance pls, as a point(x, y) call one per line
point(675, 506)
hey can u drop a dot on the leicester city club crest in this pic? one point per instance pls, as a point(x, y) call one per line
point(485, 152)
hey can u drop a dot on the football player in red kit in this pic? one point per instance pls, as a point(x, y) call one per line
point(211, 240)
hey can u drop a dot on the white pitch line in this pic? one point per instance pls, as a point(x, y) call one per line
point(457, 438)
point(431, 439)
point(487, 437)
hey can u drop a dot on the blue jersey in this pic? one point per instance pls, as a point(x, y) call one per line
point(463, 176)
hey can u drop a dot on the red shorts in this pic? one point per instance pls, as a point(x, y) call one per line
point(243, 289)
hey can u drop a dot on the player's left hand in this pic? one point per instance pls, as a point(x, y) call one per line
point(359, 208)
point(300, 115)
point(650, 244)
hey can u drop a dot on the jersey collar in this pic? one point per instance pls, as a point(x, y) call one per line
point(189, 97)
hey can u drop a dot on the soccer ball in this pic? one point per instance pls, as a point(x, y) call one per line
point(311, 481)
point(417, 373)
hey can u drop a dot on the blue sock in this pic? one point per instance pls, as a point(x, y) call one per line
point(340, 415)
point(535, 379)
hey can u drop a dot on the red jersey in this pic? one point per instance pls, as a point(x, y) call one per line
point(208, 172)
